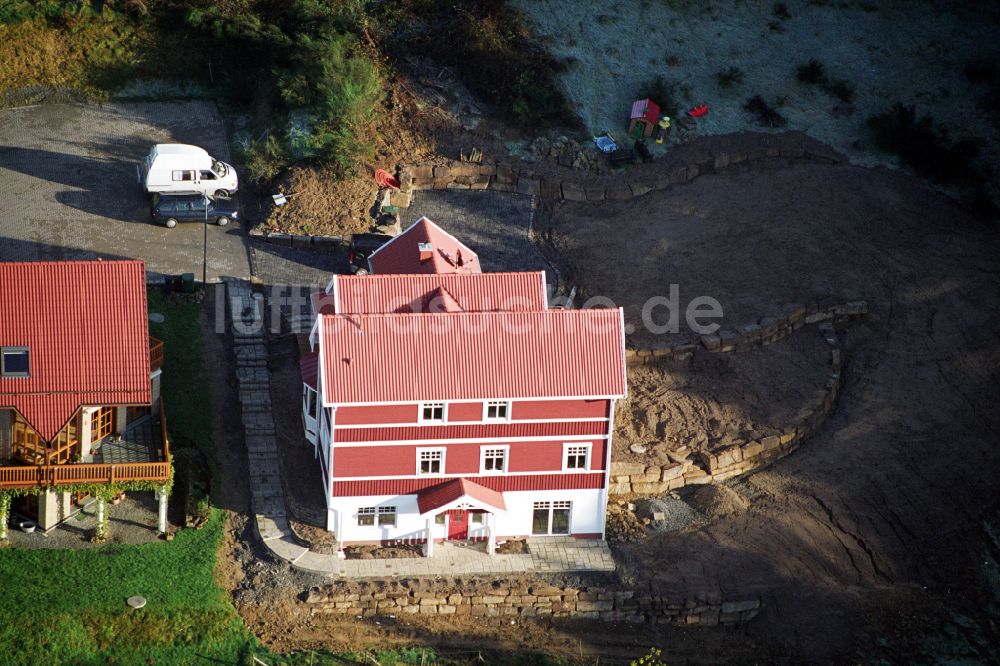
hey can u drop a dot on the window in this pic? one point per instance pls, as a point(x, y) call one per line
point(576, 456)
point(207, 175)
point(550, 518)
point(497, 410)
point(494, 459)
point(14, 362)
point(476, 517)
point(430, 461)
point(432, 412)
point(101, 423)
point(183, 175)
point(366, 516)
point(387, 516)
point(440, 518)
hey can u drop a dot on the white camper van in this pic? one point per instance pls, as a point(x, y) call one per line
point(177, 167)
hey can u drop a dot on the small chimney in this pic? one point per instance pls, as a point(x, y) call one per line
point(426, 251)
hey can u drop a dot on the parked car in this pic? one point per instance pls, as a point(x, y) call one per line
point(169, 209)
point(178, 167)
point(362, 247)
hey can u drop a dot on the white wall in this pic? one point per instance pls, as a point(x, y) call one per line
point(586, 516)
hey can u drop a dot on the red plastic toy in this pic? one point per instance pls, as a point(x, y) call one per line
point(698, 111)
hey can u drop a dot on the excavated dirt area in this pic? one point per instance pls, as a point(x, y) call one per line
point(714, 400)
point(881, 510)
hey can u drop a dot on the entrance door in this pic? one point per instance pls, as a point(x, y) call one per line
point(458, 524)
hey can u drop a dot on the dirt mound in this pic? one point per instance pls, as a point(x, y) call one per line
point(718, 399)
point(716, 501)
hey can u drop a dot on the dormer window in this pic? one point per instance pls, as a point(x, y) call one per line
point(14, 362)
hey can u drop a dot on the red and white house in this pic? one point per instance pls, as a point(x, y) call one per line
point(456, 405)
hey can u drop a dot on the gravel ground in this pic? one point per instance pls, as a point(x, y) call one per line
point(132, 521)
point(496, 225)
point(68, 186)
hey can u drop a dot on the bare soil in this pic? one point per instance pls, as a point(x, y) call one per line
point(888, 498)
point(383, 552)
point(714, 400)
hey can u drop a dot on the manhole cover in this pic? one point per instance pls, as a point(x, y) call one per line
point(136, 601)
point(156, 317)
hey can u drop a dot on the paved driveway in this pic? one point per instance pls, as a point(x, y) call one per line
point(68, 186)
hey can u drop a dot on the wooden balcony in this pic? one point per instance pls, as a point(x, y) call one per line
point(155, 354)
point(53, 476)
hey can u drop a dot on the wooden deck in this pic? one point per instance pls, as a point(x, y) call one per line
point(50, 476)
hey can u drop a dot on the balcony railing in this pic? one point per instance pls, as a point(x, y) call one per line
point(48, 476)
point(155, 354)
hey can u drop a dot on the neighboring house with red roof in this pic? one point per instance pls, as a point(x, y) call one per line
point(458, 406)
point(79, 383)
point(424, 248)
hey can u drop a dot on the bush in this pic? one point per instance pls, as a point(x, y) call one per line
point(812, 72)
point(263, 159)
point(491, 49)
point(663, 93)
point(925, 147)
point(764, 114)
point(842, 90)
point(729, 77)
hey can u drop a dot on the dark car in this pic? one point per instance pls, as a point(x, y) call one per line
point(362, 247)
point(169, 209)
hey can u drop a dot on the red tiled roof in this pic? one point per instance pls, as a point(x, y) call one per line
point(402, 253)
point(85, 325)
point(469, 292)
point(445, 493)
point(472, 356)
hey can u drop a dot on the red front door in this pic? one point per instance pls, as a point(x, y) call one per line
point(458, 524)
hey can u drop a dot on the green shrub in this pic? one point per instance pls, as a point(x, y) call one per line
point(263, 159)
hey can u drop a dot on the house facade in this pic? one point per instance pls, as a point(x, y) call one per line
point(79, 384)
point(457, 405)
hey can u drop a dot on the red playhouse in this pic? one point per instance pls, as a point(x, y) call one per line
point(645, 115)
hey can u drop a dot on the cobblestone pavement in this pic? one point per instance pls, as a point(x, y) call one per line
point(279, 265)
point(68, 187)
point(496, 225)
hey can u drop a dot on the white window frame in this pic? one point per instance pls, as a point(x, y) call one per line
point(588, 448)
point(367, 511)
point(387, 511)
point(496, 403)
point(431, 449)
point(551, 507)
point(494, 447)
point(420, 412)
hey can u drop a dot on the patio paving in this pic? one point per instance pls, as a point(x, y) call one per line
point(545, 555)
point(141, 442)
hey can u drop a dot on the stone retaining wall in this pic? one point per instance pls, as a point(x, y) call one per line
point(520, 178)
point(636, 479)
point(757, 334)
point(505, 598)
point(506, 177)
